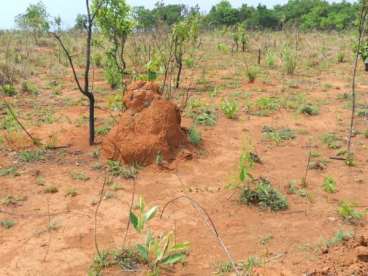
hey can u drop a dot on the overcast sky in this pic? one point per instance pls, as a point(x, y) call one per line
point(68, 9)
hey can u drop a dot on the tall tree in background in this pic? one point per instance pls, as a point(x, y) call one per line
point(34, 20)
point(114, 21)
point(85, 88)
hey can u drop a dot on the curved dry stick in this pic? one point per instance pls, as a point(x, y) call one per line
point(207, 219)
point(362, 26)
point(96, 212)
point(35, 141)
point(130, 210)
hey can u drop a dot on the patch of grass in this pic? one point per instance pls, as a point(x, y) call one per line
point(117, 169)
point(7, 223)
point(8, 122)
point(289, 61)
point(72, 192)
point(265, 196)
point(206, 116)
point(194, 136)
point(339, 237)
point(348, 212)
point(9, 90)
point(230, 108)
point(278, 135)
point(331, 140)
point(251, 73)
point(80, 176)
point(267, 105)
point(10, 171)
point(31, 88)
point(329, 184)
point(51, 190)
point(11, 200)
point(31, 156)
point(308, 109)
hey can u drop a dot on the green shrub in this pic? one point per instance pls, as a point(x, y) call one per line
point(278, 135)
point(339, 237)
point(348, 212)
point(265, 196)
point(31, 156)
point(331, 140)
point(289, 60)
point(9, 90)
point(340, 57)
point(308, 109)
point(7, 224)
point(230, 108)
point(329, 184)
point(267, 105)
point(194, 136)
point(270, 58)
point(252, 72)
point(28, 87)
point(117, 169)
point(112, 73)
point(206, 116)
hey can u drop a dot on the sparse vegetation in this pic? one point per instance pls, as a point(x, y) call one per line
point(264, 195)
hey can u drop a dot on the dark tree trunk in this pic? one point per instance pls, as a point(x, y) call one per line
point(180, 67)
point(91, 99)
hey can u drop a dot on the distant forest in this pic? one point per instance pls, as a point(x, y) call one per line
point(305, 14)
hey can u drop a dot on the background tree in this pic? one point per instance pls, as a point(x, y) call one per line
point(80, 22)
point(85, 88)
point(184, 33)
point(114, 20)
point(34, 20)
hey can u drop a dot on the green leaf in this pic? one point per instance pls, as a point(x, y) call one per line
point(141, 204)
point(181, 246)
point(150, 213)
point(173, 259)
point(142, 252)
point(134, 221)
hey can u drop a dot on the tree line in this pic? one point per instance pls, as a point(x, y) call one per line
point(305, 14)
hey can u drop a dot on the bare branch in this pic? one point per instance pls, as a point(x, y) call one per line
point(70, 59)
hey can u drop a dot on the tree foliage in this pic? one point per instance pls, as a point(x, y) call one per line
point(34, 20)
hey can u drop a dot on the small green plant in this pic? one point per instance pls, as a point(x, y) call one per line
point(156, 251)
point(7, 224)
point(308, 109)
point(267, 105)
point(278, 135)
point(9, 90)
point(194, 136)
point(11, 200)
point(72, 192)
point(12, 171)
point(230, 108)
point(264, 195)
point(28, 87)
point(31, 156)
point(340, 57)
point(251, 73)
point(270, 58)
point(80, 176)
point(331, 140)
point(206, 116)
point(116, 169)
point(51, 190)
point(348, 212)
point(112, 72)
point(289, 61)
point(339, 237)
point(329, 185)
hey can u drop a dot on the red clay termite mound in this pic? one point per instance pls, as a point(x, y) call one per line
point(149, 127)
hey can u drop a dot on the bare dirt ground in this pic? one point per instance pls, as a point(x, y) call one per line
point(288, 242)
